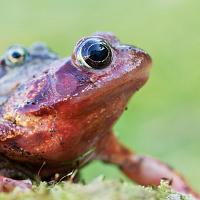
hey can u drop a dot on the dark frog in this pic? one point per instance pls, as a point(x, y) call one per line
point(57, 114)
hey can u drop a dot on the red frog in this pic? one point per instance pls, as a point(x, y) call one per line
point(57, 114)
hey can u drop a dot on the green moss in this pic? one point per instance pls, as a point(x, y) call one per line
point(98, 189)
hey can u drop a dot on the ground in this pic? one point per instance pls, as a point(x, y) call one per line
point(99, 189)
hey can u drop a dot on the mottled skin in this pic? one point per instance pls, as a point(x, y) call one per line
point(56, 115)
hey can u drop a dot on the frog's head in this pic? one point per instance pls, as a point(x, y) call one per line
point(100, 68)
point(76, 100)
point(113, 68)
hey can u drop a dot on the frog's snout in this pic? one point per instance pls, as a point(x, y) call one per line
point(137, 55)
point(140, 54)
point(138, 64)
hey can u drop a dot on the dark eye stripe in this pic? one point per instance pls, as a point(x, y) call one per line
point(2, 71)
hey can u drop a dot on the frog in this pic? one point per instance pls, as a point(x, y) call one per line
point(57, 114)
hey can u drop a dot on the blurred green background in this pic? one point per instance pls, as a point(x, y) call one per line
point(163, 118)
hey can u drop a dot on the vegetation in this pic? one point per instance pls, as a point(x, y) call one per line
point(98, 189)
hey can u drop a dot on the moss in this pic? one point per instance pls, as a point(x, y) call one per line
point(99, 189)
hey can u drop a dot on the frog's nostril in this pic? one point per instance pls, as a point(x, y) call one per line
point(146, 57)
point(139, 53)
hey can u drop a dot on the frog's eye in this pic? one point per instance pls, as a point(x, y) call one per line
point(94, 53)
point(16, 55)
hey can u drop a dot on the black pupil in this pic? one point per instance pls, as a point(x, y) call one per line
point(97, 52)
point(16, 54)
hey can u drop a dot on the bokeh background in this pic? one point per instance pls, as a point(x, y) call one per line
point(163, 118)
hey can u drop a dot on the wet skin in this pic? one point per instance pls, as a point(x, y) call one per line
point(57, 114)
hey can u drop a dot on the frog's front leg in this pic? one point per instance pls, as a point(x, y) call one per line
point(13, 175)
point(8, 184)
point(141, 169)
point(10, 170)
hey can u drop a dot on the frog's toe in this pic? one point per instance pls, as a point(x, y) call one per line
point(8, 184)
